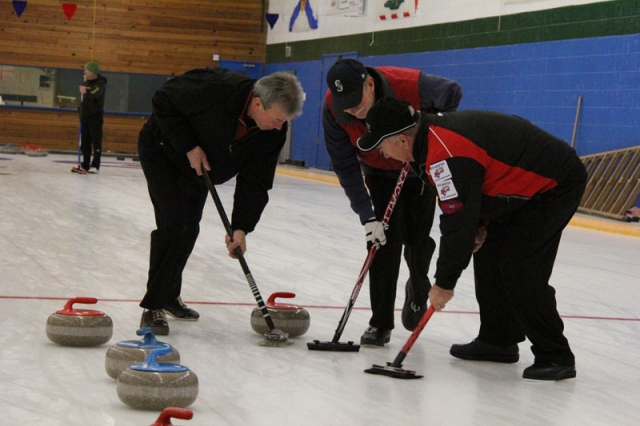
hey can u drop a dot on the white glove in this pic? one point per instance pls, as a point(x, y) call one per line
point(375, 231)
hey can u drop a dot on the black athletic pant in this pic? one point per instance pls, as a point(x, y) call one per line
point(409, 225)
point(178, 203)
point(91, 139)
point(512, 271)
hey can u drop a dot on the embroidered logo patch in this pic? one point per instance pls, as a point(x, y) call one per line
point(440, 171)
point(446, 190)
point(450, 207)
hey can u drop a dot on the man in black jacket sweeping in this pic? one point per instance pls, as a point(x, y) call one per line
point(500, 173)
point(211, 121)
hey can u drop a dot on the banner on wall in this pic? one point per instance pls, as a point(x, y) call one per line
point(395, 9)
point(302, 14)
point(342, 7)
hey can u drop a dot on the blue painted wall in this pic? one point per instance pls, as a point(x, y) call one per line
point(306, 128)
point(539, 81)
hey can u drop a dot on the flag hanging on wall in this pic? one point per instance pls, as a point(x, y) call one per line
point(272, 18)
point(19, 7)
point(394, 9)
point(69, 9)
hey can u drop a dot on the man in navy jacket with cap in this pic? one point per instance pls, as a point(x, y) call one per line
point(353, 88)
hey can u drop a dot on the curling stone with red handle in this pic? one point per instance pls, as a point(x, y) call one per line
point(129, 352)
point(164, 419)
point(79, 327)
point(291, 319)
point(155, 386)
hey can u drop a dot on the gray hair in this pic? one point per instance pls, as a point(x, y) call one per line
point(282, 88)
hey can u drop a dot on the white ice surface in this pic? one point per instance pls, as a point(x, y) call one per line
point(63, 235)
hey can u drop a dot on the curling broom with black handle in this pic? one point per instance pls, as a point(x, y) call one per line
point(273, 337)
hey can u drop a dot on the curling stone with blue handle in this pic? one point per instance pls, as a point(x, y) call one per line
point(79, 327)
point(291, 319)
point(156, 386)
point(129, 352)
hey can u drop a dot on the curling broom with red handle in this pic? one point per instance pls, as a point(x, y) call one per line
point(394, 369)
point(335, 345)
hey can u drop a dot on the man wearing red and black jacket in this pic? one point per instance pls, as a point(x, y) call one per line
point(502, 174)
point(353, 88)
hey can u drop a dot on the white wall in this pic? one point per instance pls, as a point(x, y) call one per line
point(429, 12)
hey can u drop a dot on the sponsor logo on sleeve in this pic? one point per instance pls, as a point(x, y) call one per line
point(446, 190)
point(440, 171)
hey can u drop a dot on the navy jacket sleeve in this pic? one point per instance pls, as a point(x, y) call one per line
point(439, 94)
point(345, 163)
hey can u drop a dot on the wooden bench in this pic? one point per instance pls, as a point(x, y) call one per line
point(19, 98)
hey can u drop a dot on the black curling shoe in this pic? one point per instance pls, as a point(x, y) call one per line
point(549, 371)
point(412, 312)
point(177, 309)
point(156, 320)
point(481, 351)
point(374, 336)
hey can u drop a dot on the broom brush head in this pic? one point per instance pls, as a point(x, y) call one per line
point(276, 338)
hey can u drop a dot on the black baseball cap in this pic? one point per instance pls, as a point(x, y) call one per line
point(387, 117)
point(346, 81)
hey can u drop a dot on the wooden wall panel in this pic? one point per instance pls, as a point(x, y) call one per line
point(58, 130)
point(161, 37)
point(166, 36)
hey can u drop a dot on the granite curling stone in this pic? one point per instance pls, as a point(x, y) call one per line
point(155, 386)
point(129, 352)
point(291, 319)
point(164, 419)
point(79, 327)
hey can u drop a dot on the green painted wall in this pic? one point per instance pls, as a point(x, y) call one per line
point(593, 20)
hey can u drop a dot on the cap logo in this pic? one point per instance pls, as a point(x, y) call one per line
point(338, 85)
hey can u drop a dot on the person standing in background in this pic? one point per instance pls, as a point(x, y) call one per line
point(91, 118)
